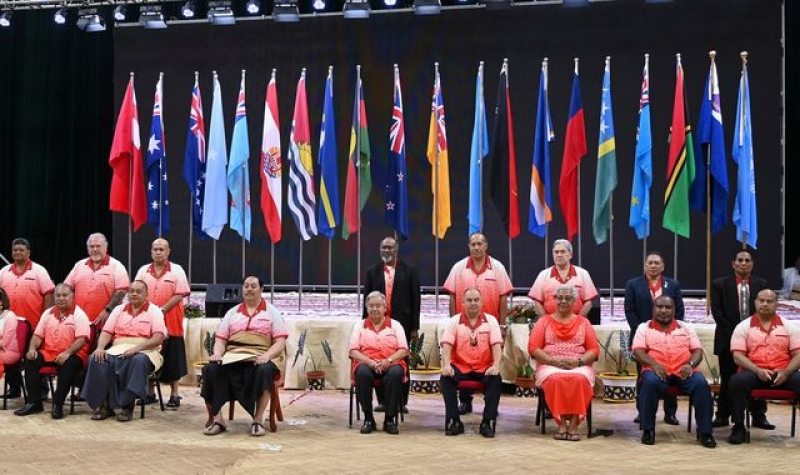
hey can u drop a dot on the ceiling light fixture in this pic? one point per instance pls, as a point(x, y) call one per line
point(285, 11)
point(60, 16)
point(5, 18)
point(253, 7)
point(151, 17)
point(220, 13)
point(188, 9)
point(427, 7)
point(90, 21)
point(120, 12)
point(356, 9)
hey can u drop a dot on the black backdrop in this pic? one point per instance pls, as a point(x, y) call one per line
point(458, 40)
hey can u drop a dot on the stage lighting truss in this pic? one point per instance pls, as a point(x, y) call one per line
point(90, 21)
point(152, 18)
point(356, 9)
point(285, 11)
point(220, 13)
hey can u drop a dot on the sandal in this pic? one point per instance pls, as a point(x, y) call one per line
point(572, 437)
point(560, 436)
point(257, 429)
point(215, 428)
point(102, 413)
point(125, 415)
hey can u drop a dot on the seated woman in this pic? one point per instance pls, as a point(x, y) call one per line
point(249, 341)
point(10, 353)
point(378, 349)
point(564, 345)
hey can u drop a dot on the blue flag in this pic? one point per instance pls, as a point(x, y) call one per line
point(215, 210)
point(478, 151)
point(157, 200)
point(238, 171)
point(396, 190)
point(744, 211)
point(540, 211)
point(711, 146)
point(328, 210)
point(194, 160)
point(643, 165)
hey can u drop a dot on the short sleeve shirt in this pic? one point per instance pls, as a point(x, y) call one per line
point(123, 322)
point(161, 288)
point(465, 356)
point(378, 343)
point(548, 280)
point(265, 320)
point(26, 289)
point(672, 348)
point(770, 349)
point(95, 287)
point(492, 280)
point(58, 331)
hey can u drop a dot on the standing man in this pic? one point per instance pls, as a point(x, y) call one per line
point(168, 287)
point(100, 282)
point(640, 293)
point(471, 351)
point(563, 272)
point(791, 282)
point(733, 300)
point(60, 340)
point(768, 355)
point(489, 276)
point(399, 282)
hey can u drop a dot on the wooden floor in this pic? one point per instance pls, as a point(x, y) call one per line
point(315, 439)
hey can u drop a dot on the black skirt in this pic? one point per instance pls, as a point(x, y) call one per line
point(174, 352)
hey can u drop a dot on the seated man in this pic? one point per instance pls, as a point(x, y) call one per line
point(118, 375)
point(60, 340)
point(768, 355)
point(471, 351)
point(669, 352)
point(378, 349)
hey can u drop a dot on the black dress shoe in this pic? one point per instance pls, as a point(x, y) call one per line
point(671, 420)
point(57, 411)
point(487, 428)
point(763, 423)
point(465, 408)
point(720, 422)
point(379, 408)
point(13, 394)
point(28, 409)
point(738, 434)
point(368, 427)
point(649, 437)
point(390, 427)
point(456, 427)
point(637, 419)
point(707, 440)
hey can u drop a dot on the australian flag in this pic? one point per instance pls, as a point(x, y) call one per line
point(194, 162)
point(157, 200)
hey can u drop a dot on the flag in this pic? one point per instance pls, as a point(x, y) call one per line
point(396, 191)
point(194, 160)
point(478, 151)
point(711, 147)
point(328, 211)
point(574, 150)
point(744, 211)
point(357, 189)
point(606, 176)
point(127, 192)
point(503, 160)
point(157, 198)
point(271, 164)
point(239, 171)
point(440, 163)
point(541, 212)
point(301, 197)
point(680, 168)
point(643, 165)
point(215, 205)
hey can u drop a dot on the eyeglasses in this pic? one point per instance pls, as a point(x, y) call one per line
point(564, 298)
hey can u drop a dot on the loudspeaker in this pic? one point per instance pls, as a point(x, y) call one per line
point(594, 312)
point(221, 297)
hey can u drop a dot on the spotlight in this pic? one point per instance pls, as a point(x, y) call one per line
point(5, 18)
point(151, 18)
point(390, 3)
point(356, 9)
point(120, 13)
point(220, 13)
point(90, 21)
point(187, 10)
point(253, 7)
point(576, 3)
point(319, 5)
point(285, 11)
point(60, 16)
point(427, 7)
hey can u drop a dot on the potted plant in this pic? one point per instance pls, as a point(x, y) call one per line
point(208, 345)
point(315, 377)
point(195, 309)
point(424, 378)
point(715, 380)
point(619, 385)
point(525, 381)
point(520, 313)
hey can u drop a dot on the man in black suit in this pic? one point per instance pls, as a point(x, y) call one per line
point(640, 293)
point(733, 300)
point(399, 281)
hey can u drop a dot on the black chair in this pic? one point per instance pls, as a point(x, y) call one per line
point(542, 405)
point(375, 384)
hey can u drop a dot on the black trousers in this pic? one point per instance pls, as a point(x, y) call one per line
point(745, 381)
point(491, 393)
point(68, 374)
point(727, 369)
point(391, 384)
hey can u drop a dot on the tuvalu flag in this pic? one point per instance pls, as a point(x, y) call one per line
point(396, 214)
point(479, 150)
point(574, 150)
point(439, 160)
point(680, 167)
point(503, 159)
point(157, 198)
point(643, 165)
point(606, 176)
point(328, 210)
point(541, 213)
point(359, 179)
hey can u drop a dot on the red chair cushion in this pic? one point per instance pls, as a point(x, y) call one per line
point(473, 385)
point(674, 391)
point(48, 371)
point(773, 394)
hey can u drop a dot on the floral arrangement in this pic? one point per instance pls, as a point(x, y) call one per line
point(315, 363)
point(195, 309)
point(622, 358)
point(522, 313)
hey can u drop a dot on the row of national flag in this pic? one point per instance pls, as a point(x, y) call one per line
point(219, 182)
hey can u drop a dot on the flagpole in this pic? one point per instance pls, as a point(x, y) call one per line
point(436, 197)
point(610, 220)
point(546, 144)
point(191, 209)
point(357, 151)
point(578, 172)
point(161, 160)
point(214, 259)
point(712, 54)
point(272, 273)
point(300, 278)
point(243, 200)
point(743, 55)
point(130, 193)
point(644, 241)
point(330, 253)
point(482, 115)
point(510, 247)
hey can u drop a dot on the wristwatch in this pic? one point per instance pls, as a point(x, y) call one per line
point(389, 359)
point(580, 361)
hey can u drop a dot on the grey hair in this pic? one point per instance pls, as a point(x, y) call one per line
point(64, 285)
point(565, 243)
point(571, 288)
point(97, 235)
point(375, 293)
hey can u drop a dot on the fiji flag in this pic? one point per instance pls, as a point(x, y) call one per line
point(328, 211)
point(194, 161)
point(238, 172)
point(157, 200)
point(396, 191)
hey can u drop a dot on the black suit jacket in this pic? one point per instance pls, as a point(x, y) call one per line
point(405, 293)
point(639, 301)
point(725, 308)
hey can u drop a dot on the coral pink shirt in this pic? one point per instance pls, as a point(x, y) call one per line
point(770, 349)
point(558, 339)
point(379, 343)
point(10, 353)
point(161, 288)
point(548, 280)
point(59, 331)
point(492, 280)
point(124, 323)
point(266, 320)
point(94, 288)
point(459, 335)
point(26, 289)
point(672, 348)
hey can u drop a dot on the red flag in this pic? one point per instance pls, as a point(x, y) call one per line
point(128, 196)
point(574, 150)
point(271, 164)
